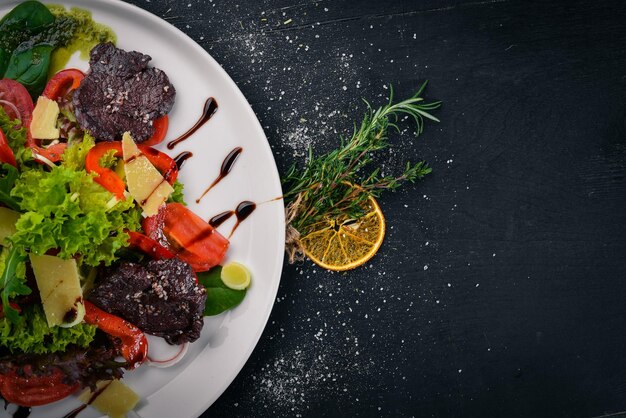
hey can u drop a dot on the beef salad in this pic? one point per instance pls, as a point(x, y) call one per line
point(98, 248)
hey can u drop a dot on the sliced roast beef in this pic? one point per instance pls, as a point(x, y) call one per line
point(121, 93)
point(161, 297)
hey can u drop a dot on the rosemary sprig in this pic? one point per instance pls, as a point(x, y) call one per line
point(337, 184)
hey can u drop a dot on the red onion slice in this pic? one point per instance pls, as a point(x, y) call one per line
point(13, 107)
point(161, 354)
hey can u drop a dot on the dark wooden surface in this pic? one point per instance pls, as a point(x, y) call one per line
point(500, 289)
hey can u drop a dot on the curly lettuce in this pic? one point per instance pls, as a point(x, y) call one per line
point(66, 210)
point(16, 137)
point(178, 193)
point(31, 334)
point(74, 155)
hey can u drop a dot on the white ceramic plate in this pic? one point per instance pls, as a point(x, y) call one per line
point(191, 386)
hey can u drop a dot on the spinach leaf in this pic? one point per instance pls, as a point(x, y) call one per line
point(219, 297)
point(25, 20)
point(4, 59)
point(29, 16)
point(8, 176)
point(29, 66)
point(12, 281)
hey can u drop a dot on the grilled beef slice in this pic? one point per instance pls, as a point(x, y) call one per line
point(121, 93)
point(161, 297)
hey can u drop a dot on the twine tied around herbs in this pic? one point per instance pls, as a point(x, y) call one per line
point(293, 246)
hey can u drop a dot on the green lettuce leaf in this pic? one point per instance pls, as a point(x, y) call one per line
point(177, 195)
point(74, 155)
point(31, 334)
point(65, 209)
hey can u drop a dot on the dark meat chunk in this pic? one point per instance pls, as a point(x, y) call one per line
point(121, 93)
point(161, 298)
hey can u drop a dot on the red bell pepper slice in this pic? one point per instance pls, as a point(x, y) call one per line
point(108, 179)
point(6, 153)
point(160, 130)
point(28, 389)
point(187, 235)
point(132, 342)
point(149, 246)
point(62, 83)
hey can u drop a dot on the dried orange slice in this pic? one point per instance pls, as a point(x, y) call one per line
point(344, 243)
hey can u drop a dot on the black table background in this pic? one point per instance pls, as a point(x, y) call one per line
point(499, 290)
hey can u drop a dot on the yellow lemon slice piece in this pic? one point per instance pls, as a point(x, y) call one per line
point(343, 243)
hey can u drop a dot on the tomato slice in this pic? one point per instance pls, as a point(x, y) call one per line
point(6, 153)
point(16, 101)
point(160, 130)
point(63, 82)
point(187, 235)
point(108, 179)
point(28, 389)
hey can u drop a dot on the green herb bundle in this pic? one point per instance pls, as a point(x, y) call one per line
point(339, 182)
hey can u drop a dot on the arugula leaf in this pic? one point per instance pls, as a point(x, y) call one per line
point(219, 298)
point(12, 281)
point(8, 176)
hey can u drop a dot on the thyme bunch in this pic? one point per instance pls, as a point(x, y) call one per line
point(338, 183)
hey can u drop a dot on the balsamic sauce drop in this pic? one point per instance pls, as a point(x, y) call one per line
point(243, 210)
point(227, 165)
point(74, 413)
point(181, 158)
point(210, 106)
point(220, 218)
point(22, 412)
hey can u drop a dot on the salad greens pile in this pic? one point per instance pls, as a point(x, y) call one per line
point(62, 209)
point(71, 208)
point(31, 334)
point(65, 209)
